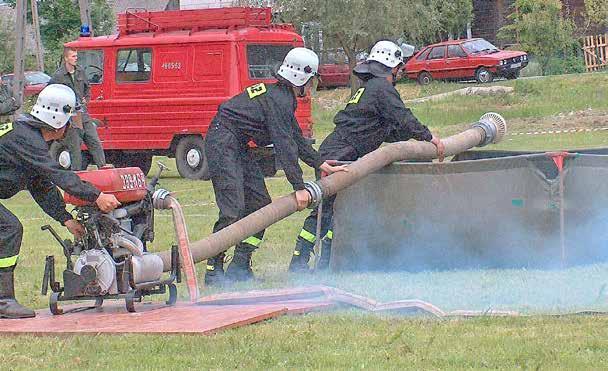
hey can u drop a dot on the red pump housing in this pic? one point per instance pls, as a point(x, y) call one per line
point(126, 184)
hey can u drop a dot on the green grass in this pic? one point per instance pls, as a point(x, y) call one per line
point(351, 339)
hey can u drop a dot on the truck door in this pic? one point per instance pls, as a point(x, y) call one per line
point(92, 60)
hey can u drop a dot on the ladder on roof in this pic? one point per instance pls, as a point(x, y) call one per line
point(140, 20)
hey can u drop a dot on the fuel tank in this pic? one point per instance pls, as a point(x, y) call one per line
point(126, 184)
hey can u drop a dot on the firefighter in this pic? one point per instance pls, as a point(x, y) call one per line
point(263, 113)
point(8, 103)
point(25, 164)
point(375, 114)
point(82, 128)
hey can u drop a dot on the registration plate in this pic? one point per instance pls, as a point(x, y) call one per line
point(516, 65)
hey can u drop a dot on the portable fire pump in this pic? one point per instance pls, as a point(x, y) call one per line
point(111, 259)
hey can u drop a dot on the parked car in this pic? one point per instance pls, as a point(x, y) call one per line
point(35, 81)
point(334, 70)
point(465, 59)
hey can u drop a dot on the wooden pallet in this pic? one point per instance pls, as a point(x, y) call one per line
point(595, 49)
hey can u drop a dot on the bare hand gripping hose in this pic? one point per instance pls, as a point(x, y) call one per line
point(491, 128)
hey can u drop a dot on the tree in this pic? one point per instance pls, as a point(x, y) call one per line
point(541, 29)
point(597, 11)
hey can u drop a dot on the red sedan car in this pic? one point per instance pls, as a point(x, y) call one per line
point(35, 81)
point(465, 59)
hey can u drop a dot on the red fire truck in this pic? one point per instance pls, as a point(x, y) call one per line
point(156, 85)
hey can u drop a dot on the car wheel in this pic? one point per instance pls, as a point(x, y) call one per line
point(190, 158)
point(483, 75)
point(424, 78)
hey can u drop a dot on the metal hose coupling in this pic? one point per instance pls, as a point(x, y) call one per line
point(159, 199)
point(494, 126)
point(316, 194)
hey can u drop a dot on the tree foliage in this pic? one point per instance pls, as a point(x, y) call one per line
point(597, 11)
point(541, 29)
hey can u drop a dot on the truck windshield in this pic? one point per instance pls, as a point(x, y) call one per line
point(92, 62)
point(264, 60)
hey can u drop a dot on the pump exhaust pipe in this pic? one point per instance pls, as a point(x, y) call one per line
point(491, 128)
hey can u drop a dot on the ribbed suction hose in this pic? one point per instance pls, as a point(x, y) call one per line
point(491, 128)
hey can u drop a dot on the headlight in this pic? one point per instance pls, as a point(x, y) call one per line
point(525, 57)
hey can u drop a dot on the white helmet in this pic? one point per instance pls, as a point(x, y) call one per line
point(55, 105)
point(386, 52)
point(299, 65)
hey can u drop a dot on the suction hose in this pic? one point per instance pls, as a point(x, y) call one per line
point(491, 128)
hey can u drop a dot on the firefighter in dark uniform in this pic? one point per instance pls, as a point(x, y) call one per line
point(375, 114)
point(8, 103)
point(26, 165)
point(263, 113)
point(82, 128)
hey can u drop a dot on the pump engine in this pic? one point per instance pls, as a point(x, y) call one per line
point(111, 259)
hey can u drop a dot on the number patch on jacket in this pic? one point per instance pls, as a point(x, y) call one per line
point(6, 128)
point(357, 96)
point(256, 90)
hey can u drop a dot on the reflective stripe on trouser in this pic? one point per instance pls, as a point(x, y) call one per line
point(11, 233)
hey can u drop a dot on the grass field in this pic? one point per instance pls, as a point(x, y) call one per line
point(352, 339)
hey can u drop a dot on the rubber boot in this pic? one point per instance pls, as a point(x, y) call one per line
point(301, 256)
point(239, 268)
point(323, 263)
point(214, 273)
point(9, 307)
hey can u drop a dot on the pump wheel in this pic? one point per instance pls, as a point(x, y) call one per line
point(172, 294)
point(190, 158)
point(53, 304)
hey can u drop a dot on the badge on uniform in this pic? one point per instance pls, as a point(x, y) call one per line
point(6, 128)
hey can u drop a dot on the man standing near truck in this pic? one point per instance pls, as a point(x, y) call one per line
point(375, 114)
point(264, 113)
point(82, 128)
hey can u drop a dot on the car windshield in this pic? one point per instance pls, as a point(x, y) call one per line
point(478, 46)
point(35, 78)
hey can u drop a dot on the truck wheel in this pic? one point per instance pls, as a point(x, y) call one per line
point(190, 158)
point(483, 75)
point(424, 78)
point(60, 153)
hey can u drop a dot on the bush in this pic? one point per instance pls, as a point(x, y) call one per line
point(570, 64)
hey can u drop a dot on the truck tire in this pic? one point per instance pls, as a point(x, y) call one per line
point(484, 75)
point(130, 159)
point(190, 158)
point(424, 78)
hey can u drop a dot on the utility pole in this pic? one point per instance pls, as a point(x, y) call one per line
point(36, 24)
point(85, 14)
point(18, 76)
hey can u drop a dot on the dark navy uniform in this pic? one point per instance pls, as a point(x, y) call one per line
point(264, 113)
point(26, 165)
point(375, 114)
point(8, 104)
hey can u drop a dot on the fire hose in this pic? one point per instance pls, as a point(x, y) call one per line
point(490, 128)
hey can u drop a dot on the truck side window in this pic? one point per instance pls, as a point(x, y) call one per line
point(134, 65)
point(92, 62)
point(264, 60)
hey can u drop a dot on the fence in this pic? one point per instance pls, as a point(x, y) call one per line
point(596, 52)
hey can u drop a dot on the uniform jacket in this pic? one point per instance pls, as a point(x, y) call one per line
point(376, 114)
point(265, 113)
point(25, 164)
point(79, 84)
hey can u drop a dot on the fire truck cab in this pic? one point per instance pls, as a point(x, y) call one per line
point(156, 85)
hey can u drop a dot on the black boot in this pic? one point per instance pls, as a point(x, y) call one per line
point(9, 307)
point(323, 263)
point(239, 268)
point(214, 274)
point(301, 256)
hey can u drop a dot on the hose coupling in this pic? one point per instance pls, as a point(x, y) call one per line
point(158, 199)
point(494, 126)
point(316, 194)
